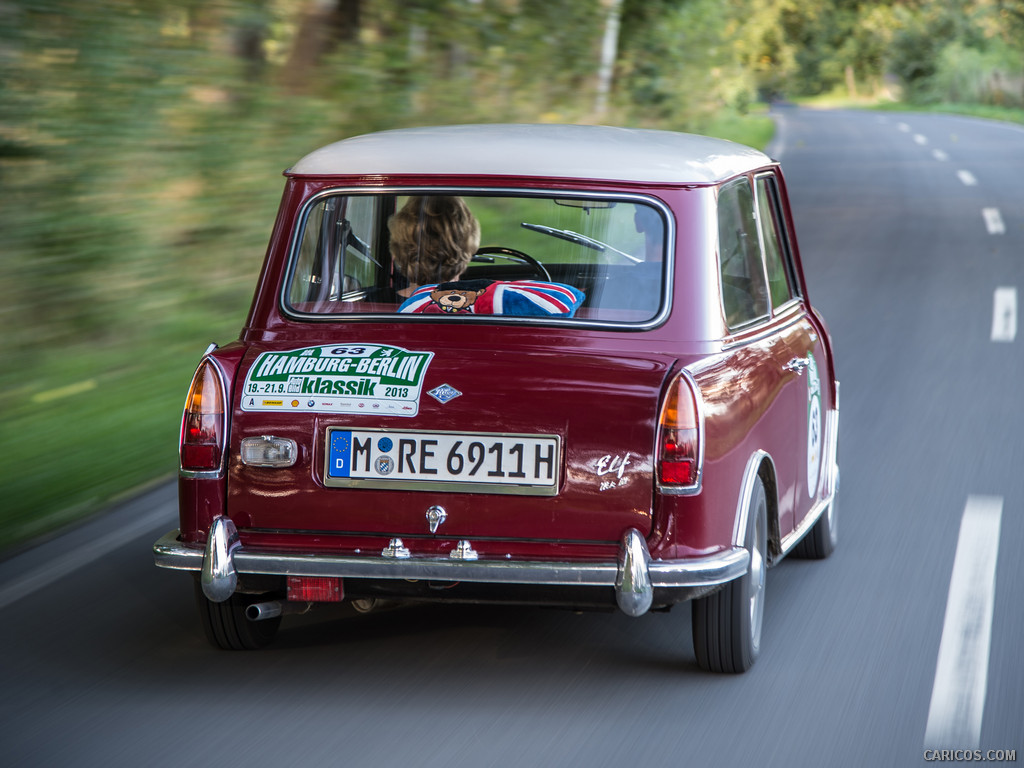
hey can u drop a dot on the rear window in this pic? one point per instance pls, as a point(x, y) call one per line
point(480, 255)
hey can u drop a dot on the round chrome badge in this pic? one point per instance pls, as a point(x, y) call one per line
point(384, 465)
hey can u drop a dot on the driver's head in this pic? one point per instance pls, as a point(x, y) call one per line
point(433, 237)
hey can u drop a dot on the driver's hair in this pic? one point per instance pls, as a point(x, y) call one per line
point(433, 237)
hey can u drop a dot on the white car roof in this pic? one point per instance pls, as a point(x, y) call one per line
point(550, 151)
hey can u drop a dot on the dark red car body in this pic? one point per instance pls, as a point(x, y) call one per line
point(611, 529)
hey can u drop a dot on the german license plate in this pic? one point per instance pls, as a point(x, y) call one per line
point(468, 462)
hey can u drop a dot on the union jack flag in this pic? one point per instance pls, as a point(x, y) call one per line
point(519, 297)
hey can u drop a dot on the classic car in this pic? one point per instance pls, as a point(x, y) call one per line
point(557, 365)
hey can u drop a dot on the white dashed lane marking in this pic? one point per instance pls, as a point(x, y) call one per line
point(1004, 314)
point(920, 139)
point(939, 155)
point(993, 221)
point(967, 178)
point(961, 674)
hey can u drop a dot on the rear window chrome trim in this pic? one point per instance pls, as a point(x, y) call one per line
point(791, 314)
point(659, 319)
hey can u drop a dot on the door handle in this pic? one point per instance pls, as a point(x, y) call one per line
point(797, 364)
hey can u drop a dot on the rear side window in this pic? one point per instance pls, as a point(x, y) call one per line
point(780, 281)
point(529, 255)
point(336, 255)
point(745, 296)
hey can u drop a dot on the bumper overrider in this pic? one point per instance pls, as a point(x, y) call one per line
point(633, 574)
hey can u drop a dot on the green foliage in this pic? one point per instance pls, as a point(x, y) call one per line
point(954, 51)
point(675, 64)
point(811, 47)
point(919, 37)
point(992, 74)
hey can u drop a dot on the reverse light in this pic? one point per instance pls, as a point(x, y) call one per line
point(203, 425)
point(679, 437)
point(269, 451)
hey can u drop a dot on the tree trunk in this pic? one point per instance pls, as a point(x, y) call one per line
point(324, 24)
point(609, 48)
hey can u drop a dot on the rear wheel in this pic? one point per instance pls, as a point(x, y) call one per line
point(227, 627)
point(821, 540)
point(727, 623)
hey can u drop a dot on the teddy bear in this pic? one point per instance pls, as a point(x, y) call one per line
point(454, 300)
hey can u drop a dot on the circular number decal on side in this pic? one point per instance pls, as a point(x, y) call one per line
point(813, 427)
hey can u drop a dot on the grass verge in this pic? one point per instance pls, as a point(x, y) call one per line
point(838, 100)
point(1005, 114)
point(87, 425)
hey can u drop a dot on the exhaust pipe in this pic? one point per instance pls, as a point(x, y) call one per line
point(271, 609)
point(263, 611)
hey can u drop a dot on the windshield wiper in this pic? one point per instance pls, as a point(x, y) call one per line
point(578, 239)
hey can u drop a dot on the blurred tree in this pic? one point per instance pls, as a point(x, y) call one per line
point(609, 52)
point(959, 51)
point(1006, 19)
point(920, 34)
point(678, 61)
point(322, 26)
point(863, 50)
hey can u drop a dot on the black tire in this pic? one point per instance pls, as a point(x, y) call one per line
point(226, 626)
point(820, 541)
point(727, 623)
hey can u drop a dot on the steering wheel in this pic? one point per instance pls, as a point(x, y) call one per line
point(512, 254)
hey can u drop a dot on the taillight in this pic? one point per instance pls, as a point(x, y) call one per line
point(679, 436)
point(315, 589)
point(203, 427)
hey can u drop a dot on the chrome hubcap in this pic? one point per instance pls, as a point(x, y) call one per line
point(758, 569)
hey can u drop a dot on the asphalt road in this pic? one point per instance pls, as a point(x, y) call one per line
point(102, 662)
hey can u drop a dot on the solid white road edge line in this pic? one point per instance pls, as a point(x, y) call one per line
point(993, 221)
point(46, 574)
point(961, 673)
point(1004, 314)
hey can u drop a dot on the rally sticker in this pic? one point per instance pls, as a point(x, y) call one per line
point(813, 426)
point(365, 378)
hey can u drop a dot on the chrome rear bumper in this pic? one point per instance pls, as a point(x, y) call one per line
point(633, 575)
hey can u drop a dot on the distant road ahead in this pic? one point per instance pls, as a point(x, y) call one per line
point(912, 233)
